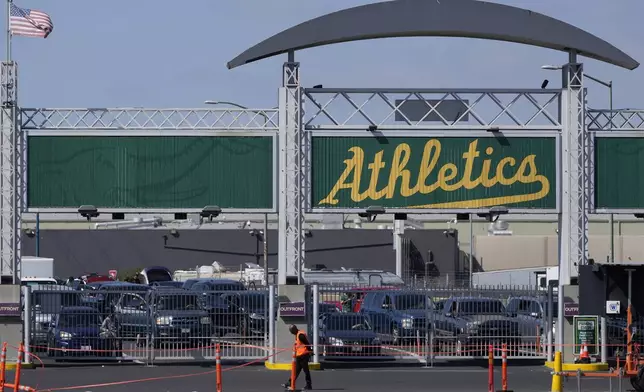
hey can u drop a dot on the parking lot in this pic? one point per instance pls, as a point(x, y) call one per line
point(256, 378)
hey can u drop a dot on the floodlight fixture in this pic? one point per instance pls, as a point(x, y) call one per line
point(88, 212)
point(210, 212)
point(372, 212)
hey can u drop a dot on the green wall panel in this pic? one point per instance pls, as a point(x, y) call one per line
point(172, 172)
point(619, 172)
point(442, 173)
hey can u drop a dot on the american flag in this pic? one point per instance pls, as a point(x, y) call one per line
point(29, 23)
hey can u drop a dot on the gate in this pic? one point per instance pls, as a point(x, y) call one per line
point(137, 323)
point(425, 324)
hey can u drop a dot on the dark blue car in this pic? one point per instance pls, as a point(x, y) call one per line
point(76, 331)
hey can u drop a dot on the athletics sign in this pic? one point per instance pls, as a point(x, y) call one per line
point(434, 173)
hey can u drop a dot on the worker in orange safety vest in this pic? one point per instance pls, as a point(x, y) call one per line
point(302, 357)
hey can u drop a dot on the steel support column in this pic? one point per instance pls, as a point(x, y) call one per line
point(574, 176)
point(11, 173)
point(293, 176)
point(573, 219)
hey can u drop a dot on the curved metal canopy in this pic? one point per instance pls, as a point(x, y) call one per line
point(437, 18)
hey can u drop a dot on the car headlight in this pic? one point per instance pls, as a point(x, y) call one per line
point(205, 320)
point(164, 320)
point(407, 323)
point(473, 325)
point(336, 342)
point(256, 316)
point(376, 341)
point(65, 335)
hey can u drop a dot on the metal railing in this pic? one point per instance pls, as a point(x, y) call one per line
point(431, 323)
point(147, 324)
point(140, 323)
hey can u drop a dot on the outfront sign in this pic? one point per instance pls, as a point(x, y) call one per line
point(434, 173)
point(10, 310)
point(571, 309)
point(292, 309)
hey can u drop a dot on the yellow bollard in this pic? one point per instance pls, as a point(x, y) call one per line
point(557, 380)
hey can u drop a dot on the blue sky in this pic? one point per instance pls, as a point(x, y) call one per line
point(158, 53)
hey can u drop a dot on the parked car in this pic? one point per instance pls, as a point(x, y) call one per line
point(172, 284)
point(531, 314)
point(216, 286)
point(105, 294)
point(356, 296)
point(472, 323)
point(398, 316)
point(225, 316)
point(94, 277)
point(251, 308)
point(348, 335)
point(76, 332)
point(46, 302)
point(166, 316)
point(187, 285)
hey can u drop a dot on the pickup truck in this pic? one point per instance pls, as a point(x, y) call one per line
point(398, 316)
point(531, 312)
point(470, 324)
point(165, 316)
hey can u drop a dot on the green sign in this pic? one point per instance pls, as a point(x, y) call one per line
point(441, 173)
point(150, 172)
point(619, 183)
point(586, 332)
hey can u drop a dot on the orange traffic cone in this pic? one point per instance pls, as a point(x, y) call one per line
point(583, 354)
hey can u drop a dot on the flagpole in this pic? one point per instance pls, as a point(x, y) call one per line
point(9, 30)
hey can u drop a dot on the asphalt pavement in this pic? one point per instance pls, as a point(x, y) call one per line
point(130, 378)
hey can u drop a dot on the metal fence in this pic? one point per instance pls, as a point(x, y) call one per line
point(431, 323)
point(144, 324)
point(140, 323)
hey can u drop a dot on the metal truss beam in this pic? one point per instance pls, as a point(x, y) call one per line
point(615, 120)
point(294, 173)
point(575, 169)
point(12, 156)
point(404, 109)
point(151, 119)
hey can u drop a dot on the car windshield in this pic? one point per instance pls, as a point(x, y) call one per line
point(158, 275)
point(481, 307)
point(51, 302)
point(411, 301)
point(178, 302)
point(347, 322)
point(79, 320)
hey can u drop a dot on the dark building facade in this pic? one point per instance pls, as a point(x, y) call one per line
point(83, 251)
